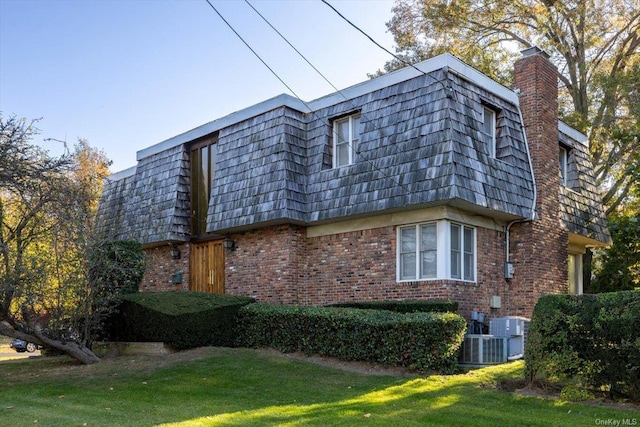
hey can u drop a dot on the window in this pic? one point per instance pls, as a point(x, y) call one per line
point(418, 252)
point(564, 156)
point(437, 250)
point(203, 159)
point(489, 128)
point(462, 252)
point(346, 135)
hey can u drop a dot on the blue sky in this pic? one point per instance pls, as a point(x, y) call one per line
point(126, 74)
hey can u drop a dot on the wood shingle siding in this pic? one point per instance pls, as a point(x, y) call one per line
point(153, 204)
point(580, 205)
point(421, 144)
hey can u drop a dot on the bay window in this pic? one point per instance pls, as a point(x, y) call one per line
point(436, 250)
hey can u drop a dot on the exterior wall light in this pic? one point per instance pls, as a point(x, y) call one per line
point(229, 244)
point(175, 252)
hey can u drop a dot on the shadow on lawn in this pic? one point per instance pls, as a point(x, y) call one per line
point(467, 399)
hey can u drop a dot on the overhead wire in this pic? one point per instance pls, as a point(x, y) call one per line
point(292, 46)
point(371, 38)
point(251, 49)
point(402, 60)
point(311, 111)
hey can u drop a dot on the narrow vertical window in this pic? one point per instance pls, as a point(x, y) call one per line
point(469, 256)
point(428, 251)
point(489, 128)
point(408, 253)
point(563, 156)
point(346, 136)
point(202, 168)
point(463, 254)
point(456, 252)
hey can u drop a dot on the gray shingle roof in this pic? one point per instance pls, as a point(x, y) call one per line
point(420, 144)
point(580, 205)
point(151, 204)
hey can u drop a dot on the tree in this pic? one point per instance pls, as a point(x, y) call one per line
point(618, 266)
point(595, 44)
point(51, 287)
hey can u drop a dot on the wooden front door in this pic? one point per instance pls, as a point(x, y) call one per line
point(207, 267)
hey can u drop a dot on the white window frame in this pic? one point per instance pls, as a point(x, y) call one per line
point(354, 139)
point(444, 251)
point(461, 252)
point(574, 274)
point(563, 158)
point(491, 126)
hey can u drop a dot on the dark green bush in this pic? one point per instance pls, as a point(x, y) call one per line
point(181, 319)
point(591, 339)
point(405, 306)
point(117, 266)
point(421, 341)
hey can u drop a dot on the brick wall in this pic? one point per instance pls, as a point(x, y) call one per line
point(281, 265)
point(161, 267)
point(353, 266)
point(539, 248)
point(268, 264)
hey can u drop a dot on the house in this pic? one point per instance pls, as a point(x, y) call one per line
point(433, 181)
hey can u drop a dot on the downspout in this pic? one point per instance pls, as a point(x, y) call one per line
point(535, 191)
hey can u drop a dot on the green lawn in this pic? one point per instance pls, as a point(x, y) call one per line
point(240, 387)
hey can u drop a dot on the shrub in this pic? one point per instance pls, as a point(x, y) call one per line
point(575, 393)
point(405, 306)
point(182, 319)
point(117, 266)
point(421, 341)
point(591, 339)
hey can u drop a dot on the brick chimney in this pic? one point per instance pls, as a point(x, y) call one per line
point(539, 247)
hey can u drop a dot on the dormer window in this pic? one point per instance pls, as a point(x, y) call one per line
point(564, 159)
point(489, 128)
point(346, 136)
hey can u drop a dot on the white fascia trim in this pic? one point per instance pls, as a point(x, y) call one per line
point(445, 60)
point(573, 133)
point(126, 173)
point(282, 100)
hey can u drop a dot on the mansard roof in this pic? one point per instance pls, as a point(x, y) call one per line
point(420, 145)
point(581, 209)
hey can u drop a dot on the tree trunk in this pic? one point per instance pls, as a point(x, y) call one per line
point(81, 353)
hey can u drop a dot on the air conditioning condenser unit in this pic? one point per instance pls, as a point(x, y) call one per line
point(483, 350)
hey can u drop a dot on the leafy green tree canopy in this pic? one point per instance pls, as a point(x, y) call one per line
point(594, 43)
point(56, 283)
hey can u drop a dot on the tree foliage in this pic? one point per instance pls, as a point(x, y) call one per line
point(53, 290)
point(618, 266)
point(594, 43)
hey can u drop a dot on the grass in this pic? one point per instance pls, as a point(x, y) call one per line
point(239, 387)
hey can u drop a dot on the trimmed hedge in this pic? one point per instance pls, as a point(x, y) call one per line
point(421, 341)
point(181, 319)
point(591, 339)
point(406, 306)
